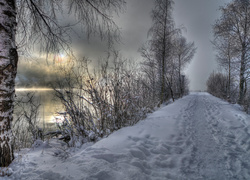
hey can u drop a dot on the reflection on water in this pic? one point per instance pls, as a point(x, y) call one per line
point(33, 89)
point(49, 105)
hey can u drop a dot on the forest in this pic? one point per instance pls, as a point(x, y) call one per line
point(231, 41)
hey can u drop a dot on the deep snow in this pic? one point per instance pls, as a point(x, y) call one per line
point(196, 137)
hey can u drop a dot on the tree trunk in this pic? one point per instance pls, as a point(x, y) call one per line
point(170, 87)
point(180, 81)
point(243, 60)
point(229, 79)
point(8, 69)
point(164, 55)
point(242, 78)
point(229, 49)
point(163, 80)
point(163, 89)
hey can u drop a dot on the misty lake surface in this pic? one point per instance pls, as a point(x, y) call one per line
point(49, 106)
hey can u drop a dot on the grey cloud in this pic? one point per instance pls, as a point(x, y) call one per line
point(196, 15)
point(34, 74)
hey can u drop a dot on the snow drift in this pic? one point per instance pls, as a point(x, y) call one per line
point(196, 137)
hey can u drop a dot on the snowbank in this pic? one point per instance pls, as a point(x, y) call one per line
point(196, 137)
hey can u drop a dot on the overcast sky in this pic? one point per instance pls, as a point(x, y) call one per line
point(196, 15)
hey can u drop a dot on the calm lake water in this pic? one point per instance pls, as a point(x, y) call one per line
point(49, 105)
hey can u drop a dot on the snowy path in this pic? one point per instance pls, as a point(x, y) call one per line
point(197, 137)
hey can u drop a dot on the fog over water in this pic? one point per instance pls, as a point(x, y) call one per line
point(49, 106)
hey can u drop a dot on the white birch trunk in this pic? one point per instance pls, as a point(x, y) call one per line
point(8, 69)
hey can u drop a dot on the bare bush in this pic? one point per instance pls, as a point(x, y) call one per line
point(26, 126)
point(217, 85)
point(101, 100)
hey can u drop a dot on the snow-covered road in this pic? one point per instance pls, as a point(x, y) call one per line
point(196, 137)
point(219, 138)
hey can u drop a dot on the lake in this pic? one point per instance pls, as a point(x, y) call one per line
point(49, 106)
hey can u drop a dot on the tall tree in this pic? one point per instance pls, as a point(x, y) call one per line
point(165, 53)
point(185, 52)
point(150, 73)
point(235, 23)
point(36, 21)
point(226, 57)
point(161, 34)
point(8, 68)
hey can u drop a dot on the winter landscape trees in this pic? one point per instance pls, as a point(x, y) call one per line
point(117, 94)
point(232, 42)
point(166, 53)
point(101, 101)
point(197, 136)
point(36, 21)
point(96, 101)
point(217, 84)
point(184, 52)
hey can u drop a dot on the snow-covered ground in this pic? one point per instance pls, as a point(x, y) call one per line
point(196, 137)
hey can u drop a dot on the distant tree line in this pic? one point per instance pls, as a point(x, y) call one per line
point(232, 43)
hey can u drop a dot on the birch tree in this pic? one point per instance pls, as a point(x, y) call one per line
point(149, 70)
point(35, 21)
point(161, 34)
point(235, 23)
point(166, 53)
point(226, 57)
point(185, 52)
point(8, 66)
